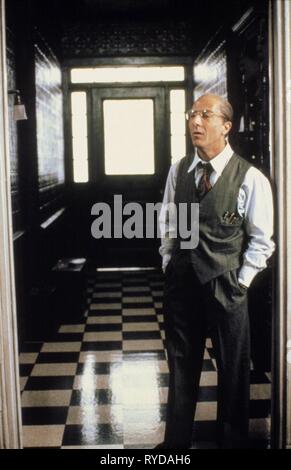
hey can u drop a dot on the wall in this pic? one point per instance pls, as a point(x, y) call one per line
point(13, 138)
point(210, 70)
point(136, 38)
point(10, 415)
point(36, 158)
point(49, 127)
point(234, 64)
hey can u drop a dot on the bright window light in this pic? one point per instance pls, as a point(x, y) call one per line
point(123, 74)
point(79, 136)
point(84, 75)
point(177, 102)
point(79, 126)
point(79, 104)
point(129, 137)
point(80, 148)
point(80, 168)
point(178, 147)
point(178, 125)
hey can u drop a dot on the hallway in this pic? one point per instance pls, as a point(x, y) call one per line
point(105, 88)
point(101, 382)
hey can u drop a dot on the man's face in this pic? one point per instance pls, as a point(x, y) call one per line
point(208, 133)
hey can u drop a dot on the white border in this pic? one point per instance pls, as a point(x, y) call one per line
point(280, 142)
point(9, 372)
point(280, 109)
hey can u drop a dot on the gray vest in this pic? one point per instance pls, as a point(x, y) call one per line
point(221, 243)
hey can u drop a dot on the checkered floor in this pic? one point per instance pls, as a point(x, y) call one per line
point(101, 382)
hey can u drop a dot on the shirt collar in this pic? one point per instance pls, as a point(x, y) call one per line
point(218, 163)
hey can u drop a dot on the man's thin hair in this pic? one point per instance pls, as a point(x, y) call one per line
point(226, 109)
point(225, 106)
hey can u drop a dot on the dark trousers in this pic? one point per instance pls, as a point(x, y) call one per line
point(193, 312)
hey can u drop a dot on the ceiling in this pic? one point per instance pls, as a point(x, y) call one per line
point(204, 17)
point(205, 12)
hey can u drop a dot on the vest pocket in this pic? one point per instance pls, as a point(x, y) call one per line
point(229, 224)
point(235, 223)
point(229, 233)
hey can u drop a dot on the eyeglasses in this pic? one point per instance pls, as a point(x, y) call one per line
point(205, 114)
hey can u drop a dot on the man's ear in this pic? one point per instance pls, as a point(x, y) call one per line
point(227, 127)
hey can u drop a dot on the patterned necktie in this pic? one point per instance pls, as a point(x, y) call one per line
point(204, 184)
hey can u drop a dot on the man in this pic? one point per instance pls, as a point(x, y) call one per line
point(206, 287)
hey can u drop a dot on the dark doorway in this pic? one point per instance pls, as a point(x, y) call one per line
point(132, 133)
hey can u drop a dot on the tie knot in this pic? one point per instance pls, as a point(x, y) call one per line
point(206, 167)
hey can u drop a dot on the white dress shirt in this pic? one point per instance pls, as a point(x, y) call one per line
point(254, 203)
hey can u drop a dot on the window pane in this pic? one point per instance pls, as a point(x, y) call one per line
point(79, 126)
point(128, 74)
point(178, 124)
point(177, 101)
point(83, 75)
point(178, 146)
point(80, 171)
point(105, 75)
point(80, 148)
point(78, 101)
point(129, 137)
point(173, 74)
point(123, 74)
point(79, 136)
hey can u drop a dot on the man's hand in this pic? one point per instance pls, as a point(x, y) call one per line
point(166, 260)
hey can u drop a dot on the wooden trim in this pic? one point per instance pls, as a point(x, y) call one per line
point(280, 124)
point(81, 62)
point(85, 86)
point(44, 225)
point(19, 234)
point(9, 378)
point(287, 48)
point(243, 22)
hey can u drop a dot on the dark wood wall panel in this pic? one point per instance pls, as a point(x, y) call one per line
point(234, 64)
point(248, 77)
point(36, 161)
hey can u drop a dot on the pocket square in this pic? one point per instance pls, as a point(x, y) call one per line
point(230, 217)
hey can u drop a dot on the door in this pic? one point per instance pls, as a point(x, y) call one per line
point(129, 158)
point(139, 114)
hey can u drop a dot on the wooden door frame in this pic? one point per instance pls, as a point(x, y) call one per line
point(280, 147)
point(9, 379)
point(68, 87)
point(156, 94)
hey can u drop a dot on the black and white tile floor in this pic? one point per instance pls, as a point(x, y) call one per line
point(102, 381)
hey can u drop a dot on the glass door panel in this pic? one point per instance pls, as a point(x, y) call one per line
point(129, 137)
